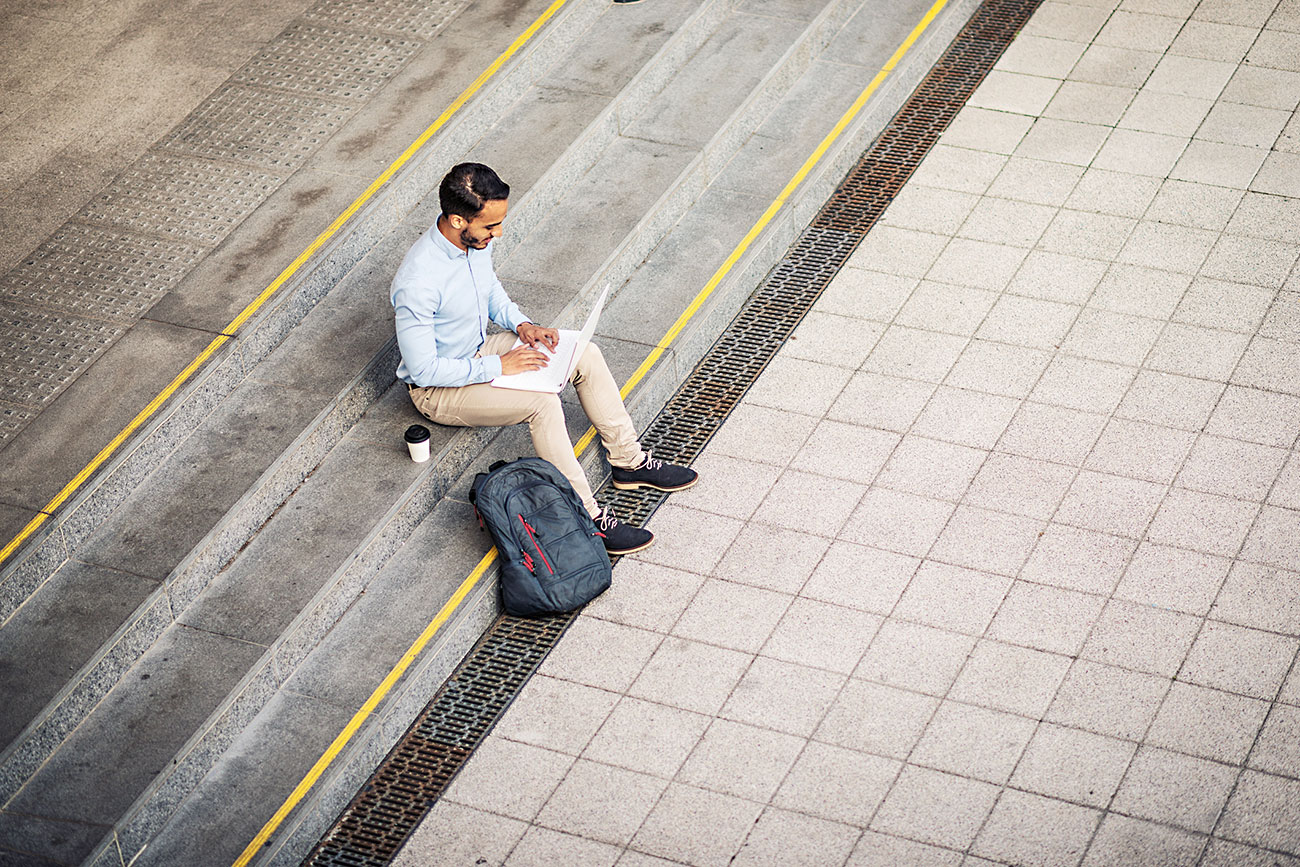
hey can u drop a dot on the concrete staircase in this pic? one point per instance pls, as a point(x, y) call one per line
point(201, 623)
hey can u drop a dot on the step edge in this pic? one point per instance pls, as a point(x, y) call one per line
point(304, 828)
point(70, 523)
point(332, 594)
point(277, 483)
point(59, 540)
point(781, 69)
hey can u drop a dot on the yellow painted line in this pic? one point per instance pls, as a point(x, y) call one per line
point(303, 787)
point(772, 209)
point(256, 304)
point(107, 451)
point(381, 691)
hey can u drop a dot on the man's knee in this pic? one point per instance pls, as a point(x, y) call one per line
point(543, 405)
point(592, 359)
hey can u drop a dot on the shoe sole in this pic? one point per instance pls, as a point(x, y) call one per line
point(632, 486)
point(626, 551)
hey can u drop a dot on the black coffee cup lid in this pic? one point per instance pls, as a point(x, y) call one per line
point(417, 433)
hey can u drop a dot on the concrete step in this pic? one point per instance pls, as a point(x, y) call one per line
point(267, 433)
point(274, 380)
point(252, 653)
point(375, 632)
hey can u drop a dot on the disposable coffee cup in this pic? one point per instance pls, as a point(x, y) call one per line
point(417, 442)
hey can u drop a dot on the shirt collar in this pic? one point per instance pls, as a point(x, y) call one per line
point(450, 250)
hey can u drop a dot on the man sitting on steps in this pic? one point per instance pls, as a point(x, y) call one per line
point(445, 292)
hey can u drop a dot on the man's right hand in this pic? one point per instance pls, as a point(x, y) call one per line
point(522, 359)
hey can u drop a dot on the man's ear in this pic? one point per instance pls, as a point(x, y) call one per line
point(457, 221)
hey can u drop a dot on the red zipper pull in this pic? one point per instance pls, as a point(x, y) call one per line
point(532, 536)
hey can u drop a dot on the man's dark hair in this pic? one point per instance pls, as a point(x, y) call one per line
point(467, 187)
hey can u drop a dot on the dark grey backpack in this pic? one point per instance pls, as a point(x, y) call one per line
point(552, 556)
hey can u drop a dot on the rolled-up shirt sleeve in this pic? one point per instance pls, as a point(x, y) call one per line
point(414, 314)
point(443, 299)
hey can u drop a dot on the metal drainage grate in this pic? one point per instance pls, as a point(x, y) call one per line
point(392, 803)
point(420, 766)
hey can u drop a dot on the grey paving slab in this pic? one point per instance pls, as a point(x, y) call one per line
point(1122, 839)
point(230, 805)
point(1023, 825)
point(620, 42)
point(810, 840)
point(503, 792)
point(707, 89)
point(55, 633)
point(935, 807)
point(13, 519)
point(557, 714)
point(578, 806)
point(22, 836)
point(216, 466)
point(385, 125)
point(569, 245)
point(837, 784)
point(40, 460)
point(247, 261)
point(680, 266)
point(766, 162)
point(783, 696)
point(628, 651)
point(352, 323)
point(742, 760)
point(398, 603)
point(358, 477)
point(137, 729)
point(525, 142)
point(1262, 812)
point(459, 832)
point(696, 826)
point(1073, 765)
point(1107, 700)
point(1258, 596)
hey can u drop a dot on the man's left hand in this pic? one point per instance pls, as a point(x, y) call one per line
point(534, 334)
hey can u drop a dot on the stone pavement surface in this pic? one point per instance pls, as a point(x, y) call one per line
point(999, 561)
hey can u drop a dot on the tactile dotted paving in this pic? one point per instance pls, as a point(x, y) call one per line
point(12, 420)
point(261, 127)
point(42, 351)
point(91, 271)
point(327, 62)
point(180, 197)
point(423, 19)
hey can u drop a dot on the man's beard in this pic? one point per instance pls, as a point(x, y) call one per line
point(468, 240)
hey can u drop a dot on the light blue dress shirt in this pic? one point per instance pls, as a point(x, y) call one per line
point(443, 298)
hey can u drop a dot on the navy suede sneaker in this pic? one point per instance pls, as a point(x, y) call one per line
point(621, 538)
point(654, 473)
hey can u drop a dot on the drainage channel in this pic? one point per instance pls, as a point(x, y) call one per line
point(388, 808)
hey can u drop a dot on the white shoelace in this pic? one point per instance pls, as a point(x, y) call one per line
point(651, 462)
point(606, 521)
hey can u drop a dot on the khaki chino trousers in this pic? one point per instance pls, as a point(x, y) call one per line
point(481, 405)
